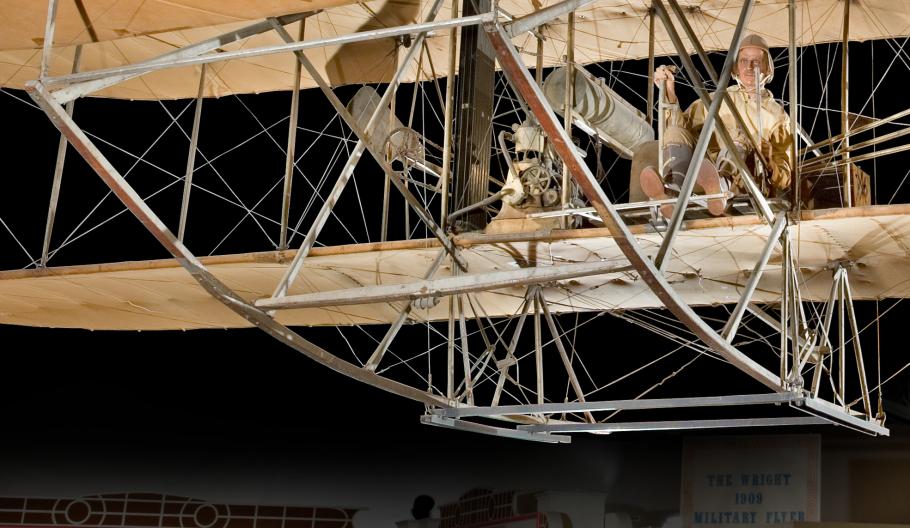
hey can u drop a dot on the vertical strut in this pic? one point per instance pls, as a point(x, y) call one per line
point(58, 173)
point(569, 103)
point(510, 352)
point(797, 316)
point(794, 100)
point(826, 330)
point(291, 150)
point(390, 334)
point(47, 46)
point(450, 350)
point(785, 310)
point(444, 180)
point(465, 353)
point(842, 343)
point(538, 347)
point(191, 156)
point(563, 355)
point(774, 237)
point(844, 107)
point(857, 349)
point(651, 70)
point(387, 183)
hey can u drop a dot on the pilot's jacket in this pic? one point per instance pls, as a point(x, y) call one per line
point(684, 127)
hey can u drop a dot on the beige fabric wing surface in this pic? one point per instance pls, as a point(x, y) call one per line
point(130, 31)
point(714, 260)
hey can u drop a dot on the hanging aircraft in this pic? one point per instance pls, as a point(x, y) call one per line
point(507, 242)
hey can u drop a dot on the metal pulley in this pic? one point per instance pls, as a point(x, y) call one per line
point(600, 111)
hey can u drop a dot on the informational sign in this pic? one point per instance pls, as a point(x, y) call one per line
point(750, 481)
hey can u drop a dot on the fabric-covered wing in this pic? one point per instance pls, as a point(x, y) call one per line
point(133, 31)
point(715, 260)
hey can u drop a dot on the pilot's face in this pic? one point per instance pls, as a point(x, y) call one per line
point(749, 59)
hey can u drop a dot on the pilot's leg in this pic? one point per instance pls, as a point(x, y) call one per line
point(677, 157)
point(659, 183)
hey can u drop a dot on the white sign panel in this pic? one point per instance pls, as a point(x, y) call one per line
point(750, 481)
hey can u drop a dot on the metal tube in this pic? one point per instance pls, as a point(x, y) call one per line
point(510, 360)
point(858, 350)
point(493, 198)
point(524, 85)
point(74, 91)
point(862, 157)
point(651, 71)
point(826, 328)
point(387, 183)
point(661, 125)
point(591, 212)
point(568, 104)
point(538, 349)
point(191, 156)
point(732, 325)
point(455, 285)
point(642, 404)
point(538, 69)
point(408, 29)
point(449, 123)
point(844, 106)
point(465, 358)
point(291, 150)
point(794, 107)
point(542, 16)
point(390, 334)
point(563, 355)
point(674, 425)
point(842, 345)
point(58, 175)
point(450, 350)
point(858, 130)
point(785, 309)
point(47, 47)
point(701, 148)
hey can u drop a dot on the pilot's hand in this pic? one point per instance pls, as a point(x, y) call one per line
point(766, 150)
point(666, 74)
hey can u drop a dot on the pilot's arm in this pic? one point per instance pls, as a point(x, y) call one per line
point(777, 150)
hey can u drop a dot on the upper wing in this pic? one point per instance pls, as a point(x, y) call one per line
point(131, 31)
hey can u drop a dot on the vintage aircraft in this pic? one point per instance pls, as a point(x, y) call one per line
point(507, 242)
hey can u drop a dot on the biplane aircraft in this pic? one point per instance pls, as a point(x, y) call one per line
point(455, 222)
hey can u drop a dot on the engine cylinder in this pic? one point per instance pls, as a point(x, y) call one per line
point(610, 116)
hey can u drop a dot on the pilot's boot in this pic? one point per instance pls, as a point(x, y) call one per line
point(711, 182)
point(652, 184)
